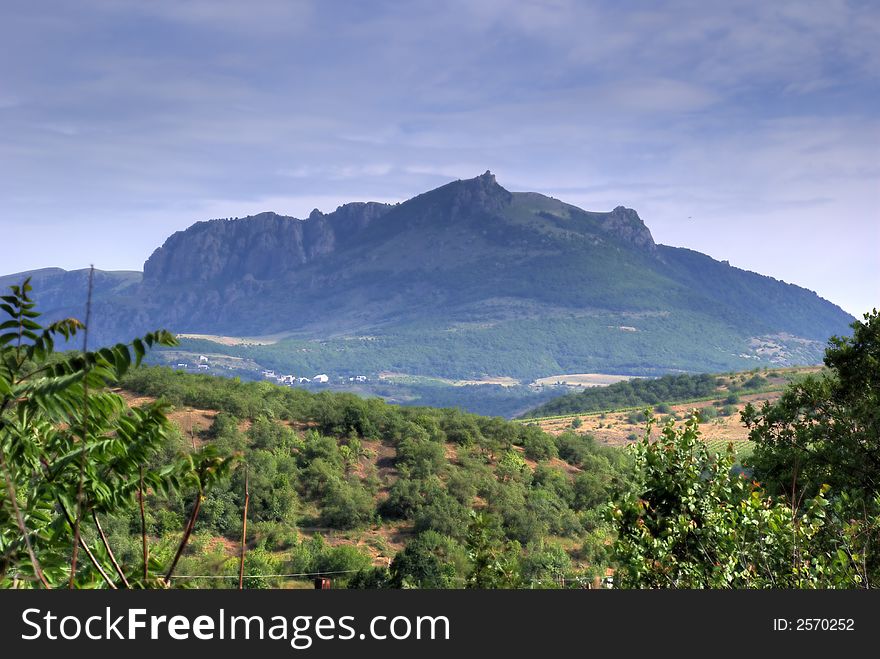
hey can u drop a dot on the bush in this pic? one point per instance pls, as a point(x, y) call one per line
point(539, 446)
point(430, 561)
point(341, 559)
point(573, 448)
point(257, 563)
point(421, 457)
point(636, 418)
point(274, 536)
point(542, 567)
point(372, 578)
point(706, 414)
point(461, 484)
point(444, 515)
point(347, 505)
point(512, 467)
point(755, 382)
point(406, 496)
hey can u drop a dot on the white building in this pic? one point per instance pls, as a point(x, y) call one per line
point(322, 378)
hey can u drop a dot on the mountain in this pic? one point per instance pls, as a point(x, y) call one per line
point(466, 280)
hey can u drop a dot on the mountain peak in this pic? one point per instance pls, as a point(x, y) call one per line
point(463, 280)
point(480, 192)
point(626, 224)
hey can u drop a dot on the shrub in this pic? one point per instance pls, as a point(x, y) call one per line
point(755, 382)
point(274, 536)
point(543, 566)
point(729, 410)
point(706, 414)
point(443, 514)
point(421, 457)
point(539, 446)
point(430, 561)
point(347, 505)
point(636, 418)
point(573, 448)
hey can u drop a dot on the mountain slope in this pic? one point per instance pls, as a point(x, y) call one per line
point(463, 280)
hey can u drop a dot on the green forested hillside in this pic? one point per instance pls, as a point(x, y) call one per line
point(148, 484)
point(643, 392)
point(397, 483)
point(466, 280)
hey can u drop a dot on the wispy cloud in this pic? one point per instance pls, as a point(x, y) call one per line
point(754, 117)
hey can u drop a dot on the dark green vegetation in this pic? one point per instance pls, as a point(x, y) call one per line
point(74, 457)
point(97, 493)
point(669, 389)
point(807, 517)
point(482, 399)
point(335, 461)
point(462, 281)
point(148, 505)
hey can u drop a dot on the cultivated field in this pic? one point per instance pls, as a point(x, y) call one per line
point(234, 340)
point(580, 380)
point(624, 427)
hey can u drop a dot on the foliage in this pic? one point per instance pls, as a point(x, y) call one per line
point(692, 523)
point(538, 445)
point(543, 567)
point(631, 393)
point(73, 452)
point(494, 559)
point(431, 560)
point(825, 429)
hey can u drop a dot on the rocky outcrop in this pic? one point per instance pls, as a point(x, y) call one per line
point(262, 247)
point(482, 192)
point(626, 225)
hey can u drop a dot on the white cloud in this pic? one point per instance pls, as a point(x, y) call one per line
point(753, 115)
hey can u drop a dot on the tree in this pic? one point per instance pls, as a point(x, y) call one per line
point(494, 559)
point(538, 445)
point(691, 522)
point(72, 452)
point(825, 430)
point(431, 560)
point(512, 467)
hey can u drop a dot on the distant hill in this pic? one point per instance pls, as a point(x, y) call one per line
point(466, 280)
point(630, 393)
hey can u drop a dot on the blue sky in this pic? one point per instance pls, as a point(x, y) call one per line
point(747, 130)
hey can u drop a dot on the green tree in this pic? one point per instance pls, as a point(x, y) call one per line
point(825, 430)
point(431, 560)
point(494, 559)
point(73, 453)
point(692, 523)
point(512, 467)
